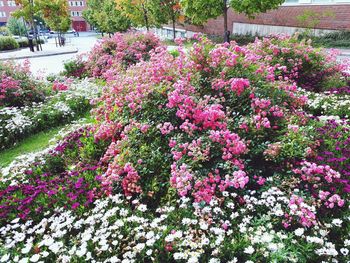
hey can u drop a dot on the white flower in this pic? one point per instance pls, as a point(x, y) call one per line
point(337, 222)
point(14, 221)
point(203, 226)
point(5, 258)
point(149, 252)
point(192, 260)
point(214, 260)
point(26, 248)
point(34, 258)
point(299, 232)
point(142, 208)
point(249, 250)
point(344, 251)
point(55, 247)
point(140, 247)
point(81, 252)
point(23, 260)
point(273, 247)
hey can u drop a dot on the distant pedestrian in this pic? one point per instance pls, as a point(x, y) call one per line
point(227, 36)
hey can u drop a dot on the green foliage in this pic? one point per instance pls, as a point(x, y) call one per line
point(139, 12)
point(23, 42)
point(33, 143)
point(252, 7)
point(337, 39)
point(74, 68)
point(105, 17)
point(8, 43)
point(311, 19)
point(200, 11)
point(56, 15)
point(4, 31)
point(16, 26)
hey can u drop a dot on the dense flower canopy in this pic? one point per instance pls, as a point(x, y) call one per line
point(209, 154)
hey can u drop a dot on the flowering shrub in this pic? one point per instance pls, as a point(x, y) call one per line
point(334, 139)
point(330, 103)
point(52, 183)
point(204, 156)
point(75, 68)
point(311, 68)
point(61, 108)
point(17, 87)
point(119, 51)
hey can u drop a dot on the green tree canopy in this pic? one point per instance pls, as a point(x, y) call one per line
point(200, 11)
point(140, 12)
point(166, 11)
point(16, 26)
point(103, 15)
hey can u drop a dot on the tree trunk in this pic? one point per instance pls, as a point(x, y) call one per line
point(145, 16)
point(226, 34)
point(174, 26)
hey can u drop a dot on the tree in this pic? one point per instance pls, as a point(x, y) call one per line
point(139, 12)
point(16, 26)
point(28, 10)
point(105, 17)
point(56, 16)
point(200, 11)
point(311, 19)
point(165, 11)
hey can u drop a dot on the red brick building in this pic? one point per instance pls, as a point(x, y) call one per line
point(76, 8)
point(281, 20)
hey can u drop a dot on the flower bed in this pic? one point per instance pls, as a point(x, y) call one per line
point(113, 54)
point(17, 86)
point(17, 123)
point(208, 155)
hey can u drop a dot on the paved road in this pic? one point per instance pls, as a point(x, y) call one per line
point(54, 64)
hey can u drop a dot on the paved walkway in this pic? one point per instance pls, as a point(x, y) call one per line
point(49, 49)
point(53, 58)
point(73, 45)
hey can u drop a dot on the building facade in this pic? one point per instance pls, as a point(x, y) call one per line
point(75, 8)
point(282, 20)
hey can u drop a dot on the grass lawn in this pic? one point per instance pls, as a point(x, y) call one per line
point(33, 143)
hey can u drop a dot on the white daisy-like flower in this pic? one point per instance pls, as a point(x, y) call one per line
point(249, 250)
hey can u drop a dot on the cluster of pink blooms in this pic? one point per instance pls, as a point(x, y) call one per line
point(206, 189)
point(59, 86)
point(181, 179)
point(118, 52)
point(232, 144)
point(196, 120)
point(304, 212)
point(316, 174)
point(330, 200)
point(8, 85)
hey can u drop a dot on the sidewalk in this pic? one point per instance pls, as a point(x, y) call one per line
point(344, 52)
point(49, 49)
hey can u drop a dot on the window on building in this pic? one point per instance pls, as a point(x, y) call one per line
point(1, 3)
point(2, 14)
point(81, 3)
point(11, 3)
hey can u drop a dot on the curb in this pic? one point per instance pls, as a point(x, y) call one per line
point(41, 55)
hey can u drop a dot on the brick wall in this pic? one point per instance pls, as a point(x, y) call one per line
point(283, 16)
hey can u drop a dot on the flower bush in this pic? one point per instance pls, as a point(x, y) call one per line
point(203, 155)
point(17, 123)
point(311, 68)
point(17, 86)
point(118, 52)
